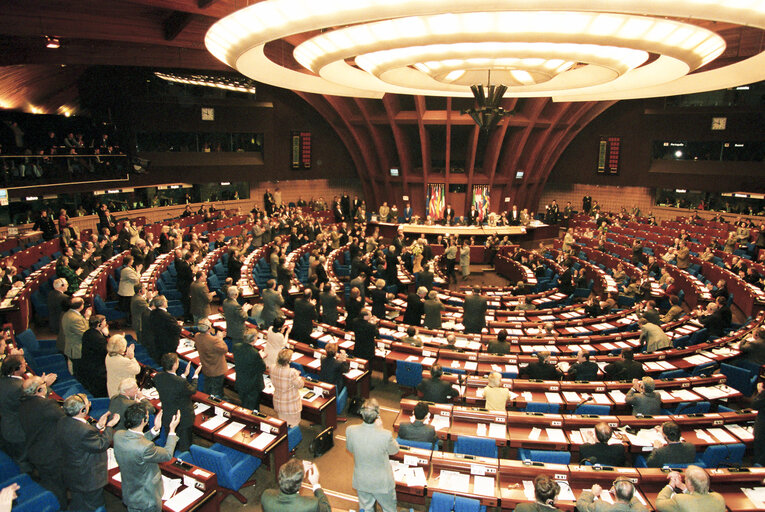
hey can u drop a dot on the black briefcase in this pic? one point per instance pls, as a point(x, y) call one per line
point(322, 443)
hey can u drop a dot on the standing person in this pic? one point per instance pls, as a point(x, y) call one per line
point(175, 394)
point(365, 333)
point(474, 312)
point(130, 276)
point(235, 315)
point(371, 446)
point(272, 304)
point(139, 458)
point(83, 452)
point(433, 308)
point(450, 256)
point(305, 314)
point(465, 259)
point(183, 279)
point(212, 355)
point(276, 339)
point(200, 297)
point(138, 306)
point(93, 356)
point(13, 369)
point(288, 498)
point(39, 417)
point(58, 302)
point(759, 424)
point(329, 302)
point(165, 329)
point(333, 366)
point(287, 383)
point(73, 325)
point(128, 394)
point(415, 307)
point(250, 368)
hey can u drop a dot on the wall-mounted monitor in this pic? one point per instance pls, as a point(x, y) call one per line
point(394, 171)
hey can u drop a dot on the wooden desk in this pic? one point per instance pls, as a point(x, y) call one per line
point(471, 467)
point(512, 474)
point(411, 457)
point(441, 416)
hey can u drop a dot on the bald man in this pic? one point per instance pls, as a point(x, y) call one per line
point(695, 497)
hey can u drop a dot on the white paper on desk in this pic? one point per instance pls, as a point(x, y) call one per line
point(428, 361)
point(556, 435)
point(183, 499)
point(315, 364)
point(606, 496)
point(553, 398)
point(566, 494)
point(354, 373)
point(111, 460)
point(527, 396)
point(169, 485)
point(454, 481)
point(743, 433)
point(480, 429)
point(483, 485)
point(528, 490)
point(535, 433)
point(511, 368)
point(440, 422)
point(231, 429)
point(575, 436)
point(709, 392)
point(664, 394)
point(455, 364)
point(263, 440)
point(416, 477)
point(702, 434)
point(296, 355)
point(471, 365)
point(756, 495)
point(214, 422)
point(479, 392)
point(722, 435)
point(346, 344)
point(497, 430)
point(571, 396)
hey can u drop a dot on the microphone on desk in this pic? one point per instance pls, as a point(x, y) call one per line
point(454, 504)
point(585, 400)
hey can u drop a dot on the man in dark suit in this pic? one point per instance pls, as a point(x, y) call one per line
point(288, 498)
point(183, 279)
point(672, 451)
point(249, 371)
point(83, 452)
point(541, 369)
point(650, 313)
point(474, 312)
point(500, 346)
point(13, 370)
point(583, 369)
point(139, 458)
point(175, 394)
point(754, 350)
point(235, 315)
point(602, 452)
point(128, 394)
point(329, 302)
point(417, 430)
point(365, 333)
point(414, 307)
point(138, 306)
point(426, 277)
point(449, 215)
point(272, 303)
point(39, 417)
point(305, 314)
point(166, 331)
point(514, 217)
point(58, 302)
point(626, 368)
point(200, 297)
point(436, 390)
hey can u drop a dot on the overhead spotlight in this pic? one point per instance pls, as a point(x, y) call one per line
point(52, 42)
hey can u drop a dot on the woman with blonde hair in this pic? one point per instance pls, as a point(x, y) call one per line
point(120, 363)
point(287, 383)
point(495, 394)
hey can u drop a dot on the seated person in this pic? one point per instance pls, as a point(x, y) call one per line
point(583, 369)
point(602, 452)
point(623, 492)
point(695, 495)
point(541, 369)
point(523, 305)
point(417, 430)
point(288, 497)
point(753, 350)
point(674, 451)
point(643, 399)
point(436, 390)
point(592, 307)
point(650, 313)
point(675, 312)
point(501, 346)
point(495, 393)
point(626, 368)
point(546, 489)
point(411, 337)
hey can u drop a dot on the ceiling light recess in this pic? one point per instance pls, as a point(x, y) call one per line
point(567, 49)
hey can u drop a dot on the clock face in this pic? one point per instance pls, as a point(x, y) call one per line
point(718, 123)
point(208, 114)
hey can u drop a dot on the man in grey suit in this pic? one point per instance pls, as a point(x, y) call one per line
point(139, 303)
point(643, 399)
point(272, 304)
point(652, 337)
point(235, 315)
point(329, 302)
point(200, 297)
point(474, 312)
point(695, 495)
point(417, 430)
point(73, 325)
point(624, 492)
point(129, 394)
point(57, 302)
point(288, 498)
point(139, 458)
point(371, 446)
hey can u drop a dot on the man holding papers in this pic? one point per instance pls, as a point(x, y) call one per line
point(624, 492)
point(139, 458)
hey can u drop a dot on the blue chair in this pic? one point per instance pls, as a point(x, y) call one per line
point(342, 400)
point(640, 462)
point(408, 374)
point(29, 342)
point(415, 444)
point(597, 410)
point(721, 455)
point(672, 374)
point(98, 406)
point(699, 336)
point(110, 313)
point(479, 446)
point(294, 436)
point(692, 408)
point(739, 379)
point(543, 407)
point(232, 467)
point(8, 468)
point(545, 456)
point(31, 496)
point(441, 502)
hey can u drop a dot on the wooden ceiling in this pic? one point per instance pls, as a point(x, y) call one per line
point(395, 131)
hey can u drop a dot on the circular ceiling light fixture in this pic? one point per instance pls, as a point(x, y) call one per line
point(568, 50)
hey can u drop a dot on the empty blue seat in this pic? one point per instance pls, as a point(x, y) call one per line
point(598, 410)
point(721, 455)
point(408, 373)
point(415, 444)
point(479, 446)
point(294, 437)
point(232, 467)
point(543, 407)
point(692, 408)
point(740, 379)
point(441, 502)
point(545, 456)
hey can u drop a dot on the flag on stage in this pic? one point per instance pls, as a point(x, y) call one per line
point(481, 200)
point(436, 201)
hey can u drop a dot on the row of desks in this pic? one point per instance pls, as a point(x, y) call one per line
point(506, 483)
